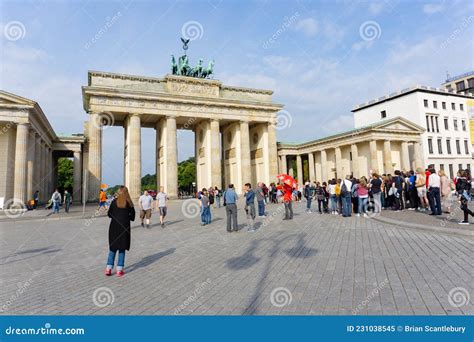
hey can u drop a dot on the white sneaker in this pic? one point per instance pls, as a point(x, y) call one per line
point(365, 215)
point(357, 214)
point(464, 222)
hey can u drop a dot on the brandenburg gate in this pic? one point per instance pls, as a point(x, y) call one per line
point(234, 127)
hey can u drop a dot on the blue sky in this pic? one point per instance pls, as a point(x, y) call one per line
point(320, 57)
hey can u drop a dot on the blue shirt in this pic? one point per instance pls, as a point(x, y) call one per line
point(250, 197)
point(230, 197)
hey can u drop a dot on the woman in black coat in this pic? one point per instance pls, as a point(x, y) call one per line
point(121, 212)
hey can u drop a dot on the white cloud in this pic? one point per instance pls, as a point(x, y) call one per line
point(433, 8)
point(308, 26)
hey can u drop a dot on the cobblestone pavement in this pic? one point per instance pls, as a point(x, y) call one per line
point(315, 264)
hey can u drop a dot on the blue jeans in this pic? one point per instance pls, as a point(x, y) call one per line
point(261, 208)
point(55, 207)
point(363, 205)
point(434, 198)
point(121, 259)
point(218, 201)
point(308, 202)
point(333, 199)
point(206, 215)
point(346, 205)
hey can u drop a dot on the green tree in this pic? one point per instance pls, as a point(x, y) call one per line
point(186, 173)
point(65, 173)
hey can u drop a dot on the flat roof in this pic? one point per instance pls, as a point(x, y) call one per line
point(406, 91)
point(458, 77)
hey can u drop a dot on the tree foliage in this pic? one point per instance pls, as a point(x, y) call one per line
point(65, 173)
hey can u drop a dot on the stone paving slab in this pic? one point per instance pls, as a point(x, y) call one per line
point(313, 265)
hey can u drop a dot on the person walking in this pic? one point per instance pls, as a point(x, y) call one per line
point(376, 190)
point(162, 199)
point(121, 213)
point(346, 195)
point(230, 203)
point(309, 190)
point(67, 200)
point(260, 194)
point(434, 194)
point(205, 208)
point(56, 200)
point(287, 201)
point(144, 202)
point(102, 199)
point(463, 189)
point(250, 207)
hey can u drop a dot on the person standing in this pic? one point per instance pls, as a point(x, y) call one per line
point(102, 198)
point(144, 202)
point(36, 198)
point(218, 194)
point(205, 208)
point(56, 200)
point(376, 189)
point(463, 189)
point(332, 196)
point(434, 194)
point(250, 207)
point(162, 198)
point(230, 203)
point(308, 194)
point(320, 195)
point(420, 185)
point(412, 192)
point(287, 201)
point(67, 200)
point(121, 213)
point(363, 195)
point(397, 186)
point(445, 189)
point(346, 195)
point(260, 194)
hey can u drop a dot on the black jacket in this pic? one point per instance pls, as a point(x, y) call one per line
point(119, 229)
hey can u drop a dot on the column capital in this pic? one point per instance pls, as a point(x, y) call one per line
point(171, 116)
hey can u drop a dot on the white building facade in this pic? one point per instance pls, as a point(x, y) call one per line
point(446, 142)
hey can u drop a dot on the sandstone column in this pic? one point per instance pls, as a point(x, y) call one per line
point(245, 152)
point(312, 174)
point(157, 153)
point(21, 163)
point(216, 166)
point(355, 161)
point(171, 157)
point(405, 156)
point(95, 156)
point(339, 170)
point(272, 151)
point(291, 172)
point(374, 163)
point(284, 167)
point(324, 166)
point(44, 172)
point(77, 174)
point(299, 169)
point(31, 165)
point(418, 154)
point(37, 171)
point(135, 157)
point(387, 157)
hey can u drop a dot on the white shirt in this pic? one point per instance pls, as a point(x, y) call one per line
point(145, 201)
point(434, 181)
point(348, 184)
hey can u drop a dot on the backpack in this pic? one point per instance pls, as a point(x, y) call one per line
point(344, 189)
point(56, 197)
point(211, 199)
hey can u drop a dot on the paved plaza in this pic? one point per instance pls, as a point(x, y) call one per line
point(313, 265)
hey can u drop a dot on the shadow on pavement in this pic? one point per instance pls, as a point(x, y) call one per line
point(148, 260)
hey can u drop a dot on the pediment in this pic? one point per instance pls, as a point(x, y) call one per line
point(399, 124)
point(12, 99)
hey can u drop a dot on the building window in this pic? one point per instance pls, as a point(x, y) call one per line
point(430, 146)
point(461, 106)
point(466, 146)
point(453, 106)
point(455, 122)
point(440, 147)
point(470, 83)
point(448, 146)
point(458, 146)
point(463, 125)
point(425, 102)
point(460, 86)
point(435, 104)
point(451, 171)
point(446, 124)
point(383, 114)
point(443, 104)
point(469, 167)
point(441, 167)
point(427, 123)
point(437, 127)
point(432, 125)
point(460, 167)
